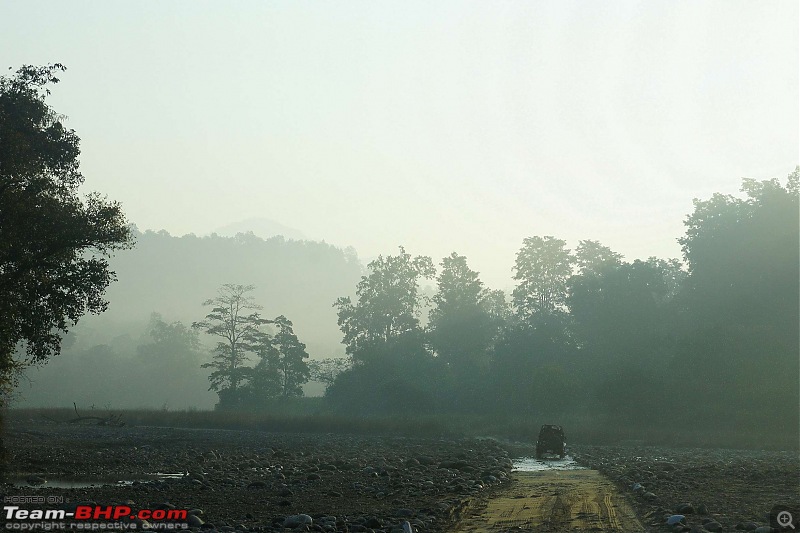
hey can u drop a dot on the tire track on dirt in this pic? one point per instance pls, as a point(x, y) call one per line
point(552, 501)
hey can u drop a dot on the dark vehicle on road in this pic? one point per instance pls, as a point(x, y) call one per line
point(551, 442)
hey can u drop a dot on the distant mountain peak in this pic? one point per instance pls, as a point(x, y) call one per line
point(262, 227)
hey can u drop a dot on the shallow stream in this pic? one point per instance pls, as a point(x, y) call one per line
point(29, 481)
point(530, 464)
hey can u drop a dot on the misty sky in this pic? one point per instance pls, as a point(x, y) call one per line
point(440, 126)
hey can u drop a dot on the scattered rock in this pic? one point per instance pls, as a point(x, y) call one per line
point(675, 519)
point(297, 520)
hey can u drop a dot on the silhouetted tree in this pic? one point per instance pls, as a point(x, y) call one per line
point(618, 310)
point(742, 254)
point(54, 244)
point(241, 334)
point(393, 370)
point(594, 258)
point(460, 326)
point(741, 307)
point(385, 318)
point(286, 358)
point(542, 268)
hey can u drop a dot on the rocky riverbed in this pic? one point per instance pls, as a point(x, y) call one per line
point(255, 481)
point(713, 489)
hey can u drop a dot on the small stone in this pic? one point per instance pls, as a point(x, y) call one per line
point(297, 520)
point(713, 526)
point(675, 519)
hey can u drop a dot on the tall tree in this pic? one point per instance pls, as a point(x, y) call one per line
point(385, 317)
point(742, 254)
point(595, 258)
point(240, 333)
point(542, 268)
point(461, 328)
point(621, 312)
point(741, 305)
point(289, 359)
point(54, 244)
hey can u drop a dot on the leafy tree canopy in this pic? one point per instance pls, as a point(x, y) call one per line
point(239, 332)
point(594, 258)
point(283, 363)
point(54, 244)
point(542, 268)
point(461, 327)
point(742, 254)
point(388, 305)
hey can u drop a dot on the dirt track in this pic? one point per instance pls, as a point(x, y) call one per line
point(554, 500)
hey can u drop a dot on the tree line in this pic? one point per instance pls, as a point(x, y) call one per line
point(705, 342)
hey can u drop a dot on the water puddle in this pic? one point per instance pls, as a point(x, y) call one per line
point(81, 482)
point(531, 464)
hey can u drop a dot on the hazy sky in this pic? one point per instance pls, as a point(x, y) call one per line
point(441, 126)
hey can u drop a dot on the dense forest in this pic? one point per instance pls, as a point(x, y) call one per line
point(707, 343)
point(710, 343)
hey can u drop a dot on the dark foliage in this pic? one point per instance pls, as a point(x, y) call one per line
point(644, 344)
point(53, 243)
